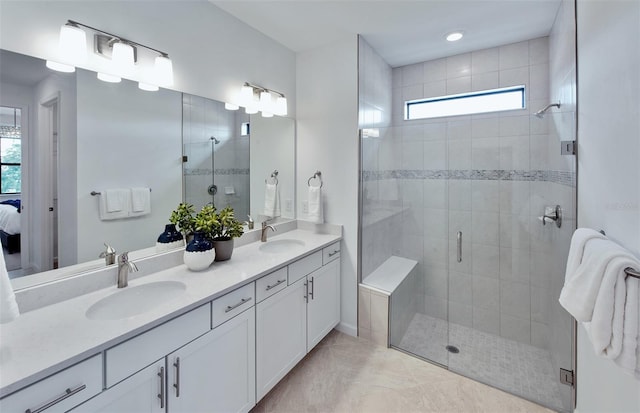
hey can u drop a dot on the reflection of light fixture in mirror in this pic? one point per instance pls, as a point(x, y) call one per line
point(122, 55)
point(454, 36)
point(148, 87)
point(265, 103)
point(231, 106)
point(105, 77)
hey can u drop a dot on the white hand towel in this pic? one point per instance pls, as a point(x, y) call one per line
point(116, 199)
point(271, 200)
point(140, 201)
point(580, 290)
point(576, 249)
point(123, 213)
point(610, 321)
point(316, 214)
point(8, 306)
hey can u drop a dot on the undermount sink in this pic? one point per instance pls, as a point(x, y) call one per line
point(132, 301)
point(280, 245)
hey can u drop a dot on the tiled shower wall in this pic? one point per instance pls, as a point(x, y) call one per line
point(203, 118)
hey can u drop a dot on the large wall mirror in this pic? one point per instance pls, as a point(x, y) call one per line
point(80, 136)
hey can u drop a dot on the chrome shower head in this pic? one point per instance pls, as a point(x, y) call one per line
point(216, 141)
point(541, 112)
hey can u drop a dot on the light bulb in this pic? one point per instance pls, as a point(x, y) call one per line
point(73, 44)
point(454, 36)
point(231, 106)
point(251, 109)
point(281, 106)
point(60, 67)
point(164, 71)
point(122, 58)
point(148, 87)
point(246, 95)
point(109, 78)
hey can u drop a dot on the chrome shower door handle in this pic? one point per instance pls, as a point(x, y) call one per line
point(459, 240)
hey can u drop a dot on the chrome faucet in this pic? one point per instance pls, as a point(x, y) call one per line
point(124, 266)
point(263, 237)
point(109, 255)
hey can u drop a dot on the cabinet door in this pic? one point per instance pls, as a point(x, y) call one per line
point(281, 335)
point(140, 393)
point(216, 372)
point(323, 311)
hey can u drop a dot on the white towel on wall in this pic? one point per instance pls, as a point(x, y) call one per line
point(8, 305)
point(140, 201)
point(576, 249)
point(116, 199)
point(105, 215)
point(316, 213)
point(271, 200)
point(629, 358)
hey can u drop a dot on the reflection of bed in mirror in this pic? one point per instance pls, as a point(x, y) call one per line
point(10, 225)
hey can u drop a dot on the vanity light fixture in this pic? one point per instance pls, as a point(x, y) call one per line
point(231, 106)
point(123, 57)
point(255, 98)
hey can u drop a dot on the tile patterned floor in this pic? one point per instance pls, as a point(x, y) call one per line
point(509, 365)
point(349, 374)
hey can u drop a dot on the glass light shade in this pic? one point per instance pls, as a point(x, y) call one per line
point(265, 101)
point(164, 71)
point(60, 67)
point(122, 58)
point(281, 106)
point(73, 44)
point(266, 114)
point(454, 36)
point(231, 106)
point(109, 78)
point(246, 96)
point(148, 87)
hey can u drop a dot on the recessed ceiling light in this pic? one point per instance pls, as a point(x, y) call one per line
point(454, 36)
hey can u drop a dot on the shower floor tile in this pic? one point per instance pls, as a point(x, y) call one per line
point(516, 367)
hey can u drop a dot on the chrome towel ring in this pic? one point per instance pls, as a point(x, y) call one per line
point(274, 176)
point(316, 175)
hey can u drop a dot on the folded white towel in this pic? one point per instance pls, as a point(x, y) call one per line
point(316, 214)
point(576, 249)
point(105, 215)
point(116, 199)
point(271, 200)
point(581, 288)
point(8, 307)
point(140, 201)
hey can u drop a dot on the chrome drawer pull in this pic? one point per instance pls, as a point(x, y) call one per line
point(276, 284)
point(331, 254)
point(312, 285)
point(161, 395)
point(233, 307)
point(67, 393)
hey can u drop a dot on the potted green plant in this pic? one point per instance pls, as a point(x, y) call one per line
point(183, 218)
point(226, 228)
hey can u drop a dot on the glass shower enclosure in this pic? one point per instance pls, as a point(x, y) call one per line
point(465, 197)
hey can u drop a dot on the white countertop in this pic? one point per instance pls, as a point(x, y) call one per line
point(44, 341)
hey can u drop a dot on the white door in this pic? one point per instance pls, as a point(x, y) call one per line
point(281, 335)
point(216, 372)
point(141, 393)
point(323, 310)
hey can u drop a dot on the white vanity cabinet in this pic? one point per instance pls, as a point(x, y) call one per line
point(291, 322)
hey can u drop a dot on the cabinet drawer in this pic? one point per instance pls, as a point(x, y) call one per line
point(271, 284)
point(61, 391)
point(137, 353)
point(331, 253)
point(232, 304)
point(304, 266)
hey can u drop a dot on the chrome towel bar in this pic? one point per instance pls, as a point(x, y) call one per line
point(632, 273)
point(94, 193)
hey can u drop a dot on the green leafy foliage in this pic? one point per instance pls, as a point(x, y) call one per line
point(228, 226)
point(184, 218)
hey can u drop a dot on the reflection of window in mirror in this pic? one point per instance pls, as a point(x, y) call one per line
point(245, 129)
point(10, 150)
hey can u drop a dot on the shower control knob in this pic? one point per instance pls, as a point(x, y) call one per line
point(213, 189)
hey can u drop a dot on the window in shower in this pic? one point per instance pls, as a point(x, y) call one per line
point(493, 100)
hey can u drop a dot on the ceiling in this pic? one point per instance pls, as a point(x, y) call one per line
point(21, 69)
point(402, 32)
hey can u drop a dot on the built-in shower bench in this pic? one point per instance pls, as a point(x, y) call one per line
point(387, 300)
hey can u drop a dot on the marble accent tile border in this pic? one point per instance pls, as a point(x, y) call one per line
point(226, 171)
point(566, 178)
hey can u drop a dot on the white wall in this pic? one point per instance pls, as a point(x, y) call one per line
point(213, 53)
point(327, 140)
point(126, 138)
point(609, 177)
